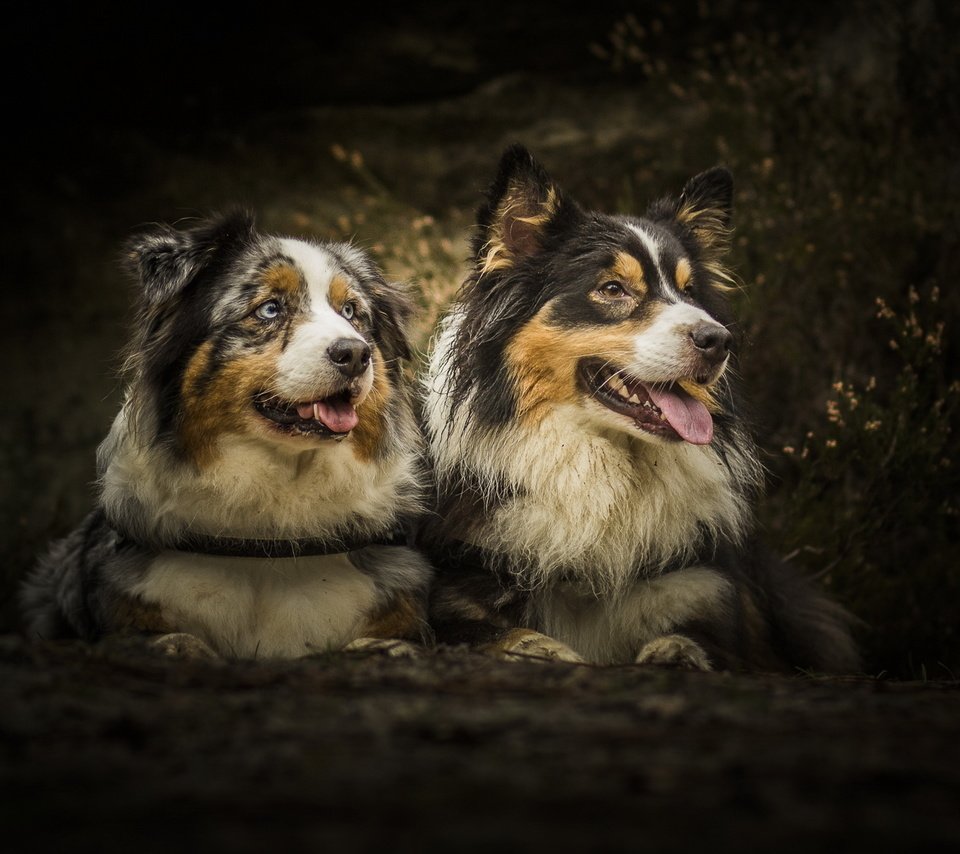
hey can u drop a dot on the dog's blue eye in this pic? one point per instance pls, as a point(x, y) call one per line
point(614, 290)
point(348, 310)
point(269, 310)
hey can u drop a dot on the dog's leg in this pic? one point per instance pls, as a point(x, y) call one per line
point(526, 644)
point(515, 644)
point(182, 645)
point(391, 647)
point(676, 651)
point(398, 629)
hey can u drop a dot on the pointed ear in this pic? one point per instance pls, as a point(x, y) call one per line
point(166, 260)
point(705, 207)
point(520, 204)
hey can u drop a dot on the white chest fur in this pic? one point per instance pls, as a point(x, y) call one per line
point(613, 629)
point(259, 607)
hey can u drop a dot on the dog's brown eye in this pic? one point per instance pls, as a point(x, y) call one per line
point(612, 290)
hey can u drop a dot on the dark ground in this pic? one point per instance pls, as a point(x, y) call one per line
point(115, 750)
point(118, 122)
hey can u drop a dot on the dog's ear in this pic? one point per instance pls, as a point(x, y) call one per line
point(520, 206)
point(705, 209)
point(166, 260)
point(392, 310)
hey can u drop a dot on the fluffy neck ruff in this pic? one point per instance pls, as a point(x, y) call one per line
point(253, 489)
point(563, 501)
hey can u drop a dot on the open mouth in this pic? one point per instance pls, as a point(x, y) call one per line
point(662, 409)
point(332, 417)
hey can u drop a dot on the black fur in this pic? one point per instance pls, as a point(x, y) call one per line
point(535, 245)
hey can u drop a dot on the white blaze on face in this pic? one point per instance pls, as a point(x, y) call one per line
point(664, 351)
point(651, 243)
point(304, 370)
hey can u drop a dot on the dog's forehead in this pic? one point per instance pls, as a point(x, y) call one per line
point(646, 239)
point(317, 266)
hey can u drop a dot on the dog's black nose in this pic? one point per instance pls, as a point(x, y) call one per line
point(350, 355)
point(712, 340)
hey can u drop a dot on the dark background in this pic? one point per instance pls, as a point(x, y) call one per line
point(383, 123)
point(840, 124)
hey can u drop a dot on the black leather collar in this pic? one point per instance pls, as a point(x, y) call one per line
point(401, 534)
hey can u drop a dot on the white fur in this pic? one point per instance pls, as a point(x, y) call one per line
point(303, 371)
point(650, 242)
point(317, 266)
point(664, 350)
point(613, 630)
point(595, 502)
point(260, 608)
point(259, 486)
point(256, 488)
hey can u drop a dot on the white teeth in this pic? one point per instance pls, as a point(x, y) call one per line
point(615, 383)
point(634, 399)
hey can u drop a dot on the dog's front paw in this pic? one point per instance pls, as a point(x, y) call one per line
point(527, 644)
point(182, 645)
point(392, 647)
point(674, 651)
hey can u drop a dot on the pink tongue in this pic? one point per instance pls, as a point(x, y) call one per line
point(689, 417)
point(339, 416)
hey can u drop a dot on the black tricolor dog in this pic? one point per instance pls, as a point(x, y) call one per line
point(258, 484)
point(596, 479)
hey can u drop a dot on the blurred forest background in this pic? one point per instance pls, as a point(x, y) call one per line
point(839, 121)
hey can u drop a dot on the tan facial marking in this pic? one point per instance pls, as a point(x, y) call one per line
point(683, 273)
point(543, 360)
point(628, 271)
point(368, 434)
point(222, 404)
point(282, 278)
point(340, 292)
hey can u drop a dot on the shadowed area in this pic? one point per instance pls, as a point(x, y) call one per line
point(839, 126)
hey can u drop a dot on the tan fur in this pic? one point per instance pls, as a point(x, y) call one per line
point(628, 271)
point(677, 651)
point(683, 273)
point(367, 436)
point(707, 225)
point(284, 279)
point(515, 223)
point(701, 393)
point(340, 292)
point(533, 645)
point(130, 614)
point(543, 360)
point(402, 617)
point(225, 403)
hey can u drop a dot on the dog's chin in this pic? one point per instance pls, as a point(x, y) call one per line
point(316, 421)
point(663, 413)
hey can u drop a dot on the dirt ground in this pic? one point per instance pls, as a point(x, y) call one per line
point(113, 748)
